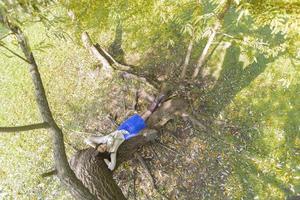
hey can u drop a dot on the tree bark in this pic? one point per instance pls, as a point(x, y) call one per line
point(106, 59)
point(93, 172)
point(24, 128)
point(187, 59)
point(93, 50)
point(202, 58)
point(65, 173)
point(204, 53)
point(87, 176)
point(90, 168)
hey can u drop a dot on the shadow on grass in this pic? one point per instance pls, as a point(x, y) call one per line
point(241, 151)
point(260, 139)
point(234, 77)
point(265, 158)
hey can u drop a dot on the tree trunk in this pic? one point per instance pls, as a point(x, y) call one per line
point(203, 57)
point(91, 169)
point(187, 59)
point(89, 166)
point(204, 53)
point(64, 172)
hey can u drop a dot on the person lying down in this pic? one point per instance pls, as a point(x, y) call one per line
point(131, 127)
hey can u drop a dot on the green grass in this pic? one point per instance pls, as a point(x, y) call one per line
point(268, 112)
point(263, 153)
point(24, 156)
point(79, 99)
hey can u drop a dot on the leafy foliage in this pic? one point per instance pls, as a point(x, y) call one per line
point(251, 85)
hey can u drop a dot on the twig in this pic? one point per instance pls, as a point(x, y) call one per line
point(14, 53)
point(166, 147)
point(49, 173)
point(136, 102)
point(25, 128)
point(155, 153)
point(6, 36)
point(113, 119)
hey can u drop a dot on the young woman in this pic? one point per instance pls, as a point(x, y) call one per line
point(131, 127)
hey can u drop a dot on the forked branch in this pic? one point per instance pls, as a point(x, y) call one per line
point(204, 55)
point(66, 175)
point(107, 61)
point(14, 53)
point(110, 64)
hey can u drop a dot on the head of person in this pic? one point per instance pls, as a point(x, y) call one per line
point(102, 148)
point(105, 147)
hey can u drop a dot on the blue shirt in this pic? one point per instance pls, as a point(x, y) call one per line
point(133, 125)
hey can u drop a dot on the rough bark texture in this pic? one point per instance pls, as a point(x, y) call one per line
point(91, 169)
point(88, 177)
point(65, 174)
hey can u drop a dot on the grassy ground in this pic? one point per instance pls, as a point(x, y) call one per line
point(252, 152)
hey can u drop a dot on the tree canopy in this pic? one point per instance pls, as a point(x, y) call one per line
point(234, 63)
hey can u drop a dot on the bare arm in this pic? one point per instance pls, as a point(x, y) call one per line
point(113, 160)
point(95, 140)
point(152, 107)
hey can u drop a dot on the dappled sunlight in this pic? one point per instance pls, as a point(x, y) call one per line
point(270, 134)
point(232, 131)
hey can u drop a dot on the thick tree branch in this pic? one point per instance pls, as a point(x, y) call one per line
point(108, 62)
point(203, 57)
point(94, 51)
point(66, 175)
point(25, 128)
point(204, 53)
point(187, 59)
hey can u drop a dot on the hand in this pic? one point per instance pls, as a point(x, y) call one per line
point(110, 165)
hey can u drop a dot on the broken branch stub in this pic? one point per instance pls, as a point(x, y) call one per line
point(87, 42)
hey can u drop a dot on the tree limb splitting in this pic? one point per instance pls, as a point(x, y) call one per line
point(64, 172)
point(204, 55)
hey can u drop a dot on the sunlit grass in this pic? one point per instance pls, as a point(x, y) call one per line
point(268, 167)
point(266, 112)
